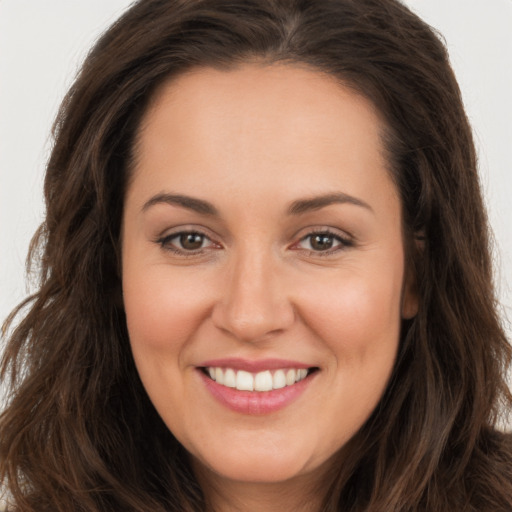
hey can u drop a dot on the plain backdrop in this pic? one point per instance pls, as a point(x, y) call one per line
point(43, 42)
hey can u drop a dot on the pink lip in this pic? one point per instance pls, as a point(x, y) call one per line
point(256, 402)
point(253, 366)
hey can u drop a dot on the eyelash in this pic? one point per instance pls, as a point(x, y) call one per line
point(345, 242)
point(165, 243)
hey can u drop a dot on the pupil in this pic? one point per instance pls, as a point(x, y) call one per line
point(321, 242)
point(191, 241)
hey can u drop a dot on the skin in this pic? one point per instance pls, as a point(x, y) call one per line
point(252, 141)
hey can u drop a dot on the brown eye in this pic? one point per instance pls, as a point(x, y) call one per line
point(186, 242)
point(321, 242)
point(324, 242)
point(191, 241)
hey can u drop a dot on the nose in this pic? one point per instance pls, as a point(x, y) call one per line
point(253, 304)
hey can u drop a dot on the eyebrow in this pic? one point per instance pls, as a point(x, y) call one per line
point(298, 207)
point(316, 203)
point(191, 203)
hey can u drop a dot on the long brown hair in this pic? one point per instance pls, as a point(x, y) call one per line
point(79, 432)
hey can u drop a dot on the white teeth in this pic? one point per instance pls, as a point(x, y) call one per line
point(244, 381)
point(261, 381)
point(279, 380)
point(230, 378)
point(301, 374)
point(290, 377)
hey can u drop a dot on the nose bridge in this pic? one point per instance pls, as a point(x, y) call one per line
point(254, 303)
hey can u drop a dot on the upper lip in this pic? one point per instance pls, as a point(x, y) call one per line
point(254, 366)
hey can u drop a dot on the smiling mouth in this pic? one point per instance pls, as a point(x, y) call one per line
point(267, 380)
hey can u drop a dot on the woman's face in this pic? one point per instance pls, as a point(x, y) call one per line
point(263, 267)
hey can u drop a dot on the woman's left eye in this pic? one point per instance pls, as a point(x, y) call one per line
point(186, 241)
point(322, 242)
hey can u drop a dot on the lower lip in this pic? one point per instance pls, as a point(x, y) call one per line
point(256, 402)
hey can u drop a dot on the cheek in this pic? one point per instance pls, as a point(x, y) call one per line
point(164, 315)
point(358, 320)
point(162, 308)
point(356, 314)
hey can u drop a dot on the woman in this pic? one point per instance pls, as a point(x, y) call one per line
point(266, 281)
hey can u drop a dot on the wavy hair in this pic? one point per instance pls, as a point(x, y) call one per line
point(79, 432)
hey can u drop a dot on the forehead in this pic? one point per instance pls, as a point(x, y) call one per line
point(294, 92)
point(257, 124)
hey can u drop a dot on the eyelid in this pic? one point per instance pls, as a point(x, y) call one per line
point(164, 239)
point(346, 240)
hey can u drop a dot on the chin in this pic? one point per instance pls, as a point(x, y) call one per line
point(258, 472)
point(265, 466)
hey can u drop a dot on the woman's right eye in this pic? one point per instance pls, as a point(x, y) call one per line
point(184, 242)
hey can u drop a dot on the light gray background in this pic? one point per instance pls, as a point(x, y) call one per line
point(42, 43)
